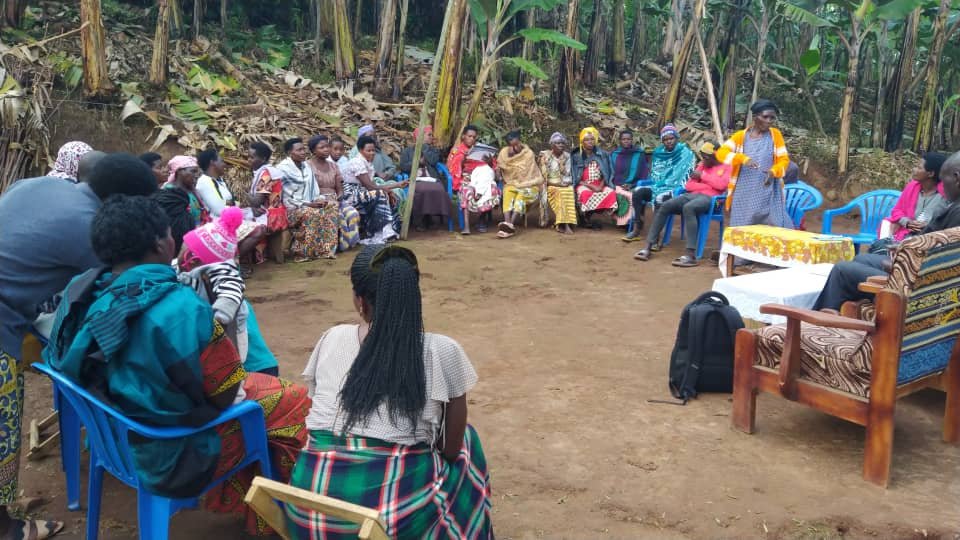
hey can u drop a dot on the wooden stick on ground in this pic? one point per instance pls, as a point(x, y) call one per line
point(424, 111)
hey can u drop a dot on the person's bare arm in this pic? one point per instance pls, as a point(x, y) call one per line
point(455, 425)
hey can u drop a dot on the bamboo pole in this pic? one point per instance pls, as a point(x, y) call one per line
point(424, 113)
point(711, 97)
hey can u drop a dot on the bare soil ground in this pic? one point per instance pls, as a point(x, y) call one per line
point(571, 337)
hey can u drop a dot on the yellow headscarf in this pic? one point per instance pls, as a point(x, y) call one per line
point(589, 131)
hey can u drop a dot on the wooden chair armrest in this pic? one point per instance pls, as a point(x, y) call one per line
point(818, 318)
point(871, 287)
point(879, 280)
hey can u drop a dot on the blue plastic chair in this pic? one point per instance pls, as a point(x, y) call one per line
point(717, 204)
point(873, 207)
point(107, 434)
point(455, 197)
point(633, 222)
point(800, 199)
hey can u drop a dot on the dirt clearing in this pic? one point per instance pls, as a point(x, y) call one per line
point(571, 337)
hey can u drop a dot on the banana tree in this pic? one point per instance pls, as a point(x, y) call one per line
point(492, 18)
point(898, 86)
point(96, 82)
point(851, 23)
point(923, 138)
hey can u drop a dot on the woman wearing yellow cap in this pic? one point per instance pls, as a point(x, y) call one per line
point(592, 177)
point(708, 179)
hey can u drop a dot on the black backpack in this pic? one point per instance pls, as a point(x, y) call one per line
point(702, 357)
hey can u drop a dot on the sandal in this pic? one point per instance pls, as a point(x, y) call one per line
point(31, 529)
point(685, 261)
point(642, 255)
point(509, 228)
point(502, 234)
point(465, 233)
point(481, 228)
point(656, 247)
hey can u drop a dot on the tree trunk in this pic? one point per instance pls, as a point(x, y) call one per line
point(344, 59)
point(730, 47)
point(680, 65)
point(761, 50)
point(383, 71)
point(897, 93)
point(565, 94)
point(617, 56)
point(849, 94)
point(923, 139)
point(595, 45)
point(224, 16)
point(447, 112)
point(357, 17)
point(529, 21)
point(669, 48)
point(13, 12)
point(317, 33)
point(95, 80)
point(197, 18)
point(639, 39)
point(176, 15)
point(876, 128)
point(161, 42)
point(397, 83)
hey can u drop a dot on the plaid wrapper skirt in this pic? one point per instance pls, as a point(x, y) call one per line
point(416, 491)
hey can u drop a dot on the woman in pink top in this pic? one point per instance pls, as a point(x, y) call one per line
point(921, 200)
point(709, 178)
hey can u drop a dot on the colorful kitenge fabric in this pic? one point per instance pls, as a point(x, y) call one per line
point(11, 413)
point(758, 198)
point(624, 212)
point(285, 405)
point(479, 191)
point(349, 227)
point(785, 247)
point(374, 208)
point(518, 199)
point(417, 492)
point(315, 231)
point(604, 200)
point(563, 202)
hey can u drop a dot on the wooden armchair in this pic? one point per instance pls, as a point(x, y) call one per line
point(264, 494)
point(856, 369)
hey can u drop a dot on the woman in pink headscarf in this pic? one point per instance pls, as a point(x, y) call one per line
point(68, 160)
point(430, 196)
point(178, 199)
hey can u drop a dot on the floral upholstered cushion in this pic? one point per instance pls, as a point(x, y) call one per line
point(829, 356)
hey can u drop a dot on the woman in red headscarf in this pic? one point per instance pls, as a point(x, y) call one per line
point(430, 196)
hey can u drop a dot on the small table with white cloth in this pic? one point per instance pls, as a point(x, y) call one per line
point(798, 287)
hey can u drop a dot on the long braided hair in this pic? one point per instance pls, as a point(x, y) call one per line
point(389, 367)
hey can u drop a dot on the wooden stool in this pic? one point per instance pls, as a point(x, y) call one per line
point(277, 245)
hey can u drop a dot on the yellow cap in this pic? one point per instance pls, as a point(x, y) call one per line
point(708, 148)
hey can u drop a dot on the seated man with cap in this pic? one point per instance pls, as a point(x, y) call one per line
point(708, 179)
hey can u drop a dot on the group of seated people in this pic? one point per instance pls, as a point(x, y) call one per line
point(153, 318)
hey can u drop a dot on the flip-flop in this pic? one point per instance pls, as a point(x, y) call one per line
point(642, 255)
point(656, 247)
point(31, 529)
point(502, 234)
point(685, 261)
point(503, 226)
point(465, 233)
point(481, 229)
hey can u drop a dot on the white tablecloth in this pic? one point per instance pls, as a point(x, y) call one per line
point(798, 287)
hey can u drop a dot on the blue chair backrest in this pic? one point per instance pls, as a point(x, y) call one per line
point(800, 199)
point(874, 206)
point(106, 428)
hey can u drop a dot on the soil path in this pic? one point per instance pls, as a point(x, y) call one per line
point(571, 338)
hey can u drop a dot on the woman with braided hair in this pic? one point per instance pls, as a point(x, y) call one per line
point(388, 423)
